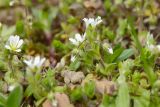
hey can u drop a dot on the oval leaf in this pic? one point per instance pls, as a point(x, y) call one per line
point(15, 97)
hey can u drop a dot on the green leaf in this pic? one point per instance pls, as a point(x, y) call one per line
point(58, 45)
point(134, 35)
point(72, 20)
point(122, 27)
point(147, 60)
point(125, 54)
point(109, 33)
point(60, 89)
point(2, 100)
point(75, 65)
point(109, 68)
point(117, 52)
point(107, 5)
point(15, 97)
point(107, 101)
point(29, 91)
point(150, 73)
point(123, 97)
point(19, 27)
point(76, 94)
point(143, 100)
point(4, 2)
point(7, 31)
point(89, 89)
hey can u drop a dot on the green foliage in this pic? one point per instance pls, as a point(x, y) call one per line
point(75, 65)
point(19, 27)
point(143, 99)
point(107, 101)
point(122, 27)
point(89, 89)
point(125, 54)
point(147, 60)
point(59, 46)
point(15, 97)
point(117, 52)
point(122, 52)
point(123, 98)
point(76, 94)
point(3, 100)
point(109, 34)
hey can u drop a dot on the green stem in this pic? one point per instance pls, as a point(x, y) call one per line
point(11, 65)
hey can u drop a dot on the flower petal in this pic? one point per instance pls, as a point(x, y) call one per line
point(73, 58)
point(73, 41)
point(78, 37)
point(7, 47)
point(28, 62)
point(42, 61)
point(20, 43)
point(18, 50)
point(110, 50)
point(36, 61)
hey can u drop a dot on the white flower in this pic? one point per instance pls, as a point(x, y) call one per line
point(154, 48)
point(11, 3)
point(73, 58)
point(61, 63)
point(93, 22)
point(34, 62)
point(78, 39)
point(11, 87)
point(14, 43)
point(110, 50)
point(150, 44)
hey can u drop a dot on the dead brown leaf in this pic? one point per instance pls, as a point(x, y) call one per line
point(72, 77)
point(77, 10)
point(52, 2)
point(105, 86)
point(63, 100)
point(93, 4)
point(9, 16)
point(47, 103)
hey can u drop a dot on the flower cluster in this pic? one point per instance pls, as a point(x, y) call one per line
point(93, 22)
point(14, 44)
point(78, 39)
point(88, 21)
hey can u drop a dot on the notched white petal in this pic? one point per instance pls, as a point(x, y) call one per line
point(20, 43)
